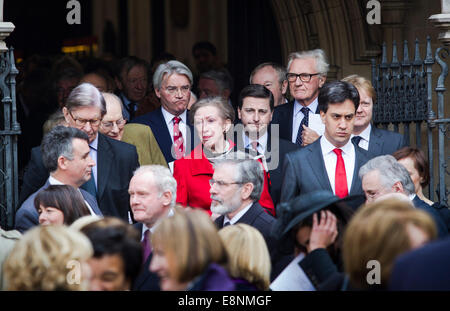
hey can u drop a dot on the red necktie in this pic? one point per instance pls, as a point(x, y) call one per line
point(340, 178)
point(178, 144)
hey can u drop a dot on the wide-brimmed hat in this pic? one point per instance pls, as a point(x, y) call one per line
point(290, 213)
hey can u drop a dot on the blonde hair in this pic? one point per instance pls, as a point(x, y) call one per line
point(41, 259)
point(190, 242)
point(248, 256)
point(362, 83)
point(380, 231)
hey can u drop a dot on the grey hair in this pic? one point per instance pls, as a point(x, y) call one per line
point(319, 55)
point(390, 172)
point(163, 179)
point(59, 142)
point(86, 95)
point(246, 171)
point(168, 69)
point(281, 71)
point(222, 79)
point(225, 109)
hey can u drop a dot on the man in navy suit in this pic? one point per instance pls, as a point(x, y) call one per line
point(114, 160)
point(383, 175)
point(331, 162)
point(376, 141)
point(153, 193)
point(172, 82)
point(307, 72)
point(255, 110)
point(426, 268)
point(65, 152)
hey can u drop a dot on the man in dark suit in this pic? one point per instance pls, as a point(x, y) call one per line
point(273, 77)
point(375, 141)
point(170, 123)
point(331, 162)
point(383, 175)
point(115, 160)
point(235, 190)
point(425, 268)
point(153, 193)
point(65, 153)
point(307, 72)
point(255, 109)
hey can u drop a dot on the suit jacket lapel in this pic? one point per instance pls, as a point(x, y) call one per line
point(105, 158)
point(91, 201)
point(375, 141)
point(317, 164)
point(251, 214)
point(360, 160)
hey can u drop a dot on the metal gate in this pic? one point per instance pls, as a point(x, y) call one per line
point(9, 132)
point(405, 97)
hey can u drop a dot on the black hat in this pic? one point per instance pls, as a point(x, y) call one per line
point(298, 209)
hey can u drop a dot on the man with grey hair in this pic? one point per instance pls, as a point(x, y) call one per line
point(384, 175)
point(174, 133)
point(215, 83)
point(307, 72)
point(114, 160)
point(273, 77)
point(65, 153)
point(153, 193)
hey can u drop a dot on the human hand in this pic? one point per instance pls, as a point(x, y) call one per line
point(323, 233)
point(309, 136)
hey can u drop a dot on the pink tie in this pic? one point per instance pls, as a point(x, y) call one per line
point(340, 178)
point(178, 144)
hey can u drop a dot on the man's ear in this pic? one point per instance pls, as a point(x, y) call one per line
point(62, 162)
point(322, 116)
point(398, 187)
point(118, 83)
point(65, 112)
point(284, 87)
point(158, 93)
point(226, 94)
point(167, 198)
point(246, 191)
point(322, 80)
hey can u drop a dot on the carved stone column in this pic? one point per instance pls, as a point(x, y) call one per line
point(5, 29)
point(442, 21)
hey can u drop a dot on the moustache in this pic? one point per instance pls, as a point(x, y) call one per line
point(214, 198)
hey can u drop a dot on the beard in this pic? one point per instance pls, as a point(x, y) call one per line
point(223, 208)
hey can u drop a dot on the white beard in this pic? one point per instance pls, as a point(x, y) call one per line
point(221, 208)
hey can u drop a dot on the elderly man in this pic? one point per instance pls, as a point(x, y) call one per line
point(65, 153)
point(215, 83)
point(114, 160)
point(132, 81)
point(255, 109)
point(376, 141)
point(332, 162)
point(383, 175)
point(307, 72)
point(153, 193)
point(172, 82)
point(273, 77)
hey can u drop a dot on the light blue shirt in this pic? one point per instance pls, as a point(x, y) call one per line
point(298, 116)
point(93, 146)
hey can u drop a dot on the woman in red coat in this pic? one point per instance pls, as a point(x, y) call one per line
point(212, 118)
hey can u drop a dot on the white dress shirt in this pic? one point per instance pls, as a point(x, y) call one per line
point(365, 137)
point(152, 229)
point(330, 159)
point(238, 216)
point(168, 117)
point(53, 181)
point(298, 116)
point(262, 142)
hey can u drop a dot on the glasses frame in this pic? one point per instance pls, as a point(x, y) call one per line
point(110, 124)
point(83, 122)
point(222, 183)
point(304, 77)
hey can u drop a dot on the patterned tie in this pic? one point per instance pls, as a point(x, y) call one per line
point(356, 140)
point(226, 224)
point(299, 140)
point(146, 246)
point(178, 143)
point(340, 179)
point(255, 145)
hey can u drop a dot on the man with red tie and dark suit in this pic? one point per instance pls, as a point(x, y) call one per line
point(331, 162)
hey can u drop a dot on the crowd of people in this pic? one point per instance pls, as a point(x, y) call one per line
point(148, 177)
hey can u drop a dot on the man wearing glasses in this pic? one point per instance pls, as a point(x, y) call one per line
point(115, 161)
point(307, 72)
point(172, 82)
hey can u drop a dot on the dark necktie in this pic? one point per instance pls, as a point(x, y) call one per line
point(131, 110)
point(146, 246)
point(226, 224)
point(356, 140)
point(90, 186)
point(299, 140)
point(340, 177)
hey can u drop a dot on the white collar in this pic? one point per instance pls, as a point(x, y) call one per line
point(328, 147)
point(238, 216)
point(365, 134)
point(168, 117)
point(262, 140)
point(312, 107)
point(53, 181)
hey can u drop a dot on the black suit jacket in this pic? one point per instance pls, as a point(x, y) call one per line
point(284, 116)
point(304, 171)
point(439, 221)
point(146, 280)
point(384, 142)
point(276, 151)
point(155, 120)
point(116, 162)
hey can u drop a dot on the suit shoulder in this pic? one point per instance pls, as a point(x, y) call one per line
point(146, 118)
point(387, 134)
point(120, 145)
point(288, 145)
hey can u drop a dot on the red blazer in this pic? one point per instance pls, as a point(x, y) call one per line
point(193, 173)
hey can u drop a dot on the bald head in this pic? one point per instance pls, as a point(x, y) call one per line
point(112, 123)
